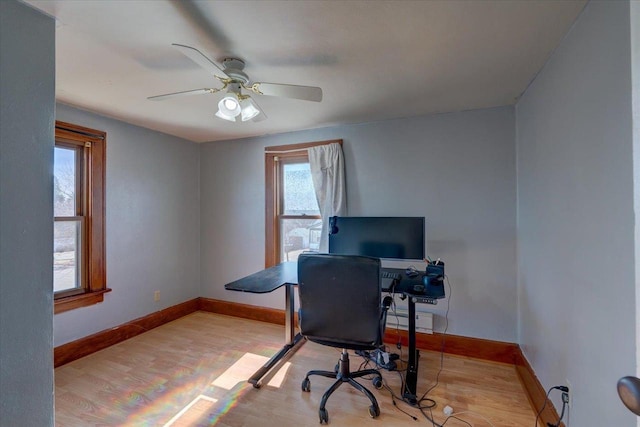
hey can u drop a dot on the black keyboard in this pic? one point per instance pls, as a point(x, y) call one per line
point(389, 275)
point(389, 280)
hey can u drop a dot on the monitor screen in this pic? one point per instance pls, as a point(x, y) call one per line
point(380, 237)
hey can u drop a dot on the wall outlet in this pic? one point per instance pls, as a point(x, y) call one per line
point(156, 296)
point(567, 417)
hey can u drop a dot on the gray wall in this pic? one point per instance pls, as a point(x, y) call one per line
point(576, 219)
point(152, 225)
point(457, 170)
point(27, 90)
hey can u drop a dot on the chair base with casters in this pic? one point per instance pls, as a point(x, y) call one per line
point(343, 374)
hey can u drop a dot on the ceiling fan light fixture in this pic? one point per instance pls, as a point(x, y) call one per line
point(229, 105)
point(249, 109)
point(224, 116)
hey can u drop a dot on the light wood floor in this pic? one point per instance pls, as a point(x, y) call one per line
point(193, 371)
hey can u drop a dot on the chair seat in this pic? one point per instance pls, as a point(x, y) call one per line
point(349, 345)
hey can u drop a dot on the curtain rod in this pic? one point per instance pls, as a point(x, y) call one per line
point(285, 151)
point(293, 150)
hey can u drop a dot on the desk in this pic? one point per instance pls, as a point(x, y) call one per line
point(286, 274)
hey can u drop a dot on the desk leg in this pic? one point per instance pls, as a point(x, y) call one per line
point(290, 337)
point(411, 381)
point(256, 378)
point(289, 327)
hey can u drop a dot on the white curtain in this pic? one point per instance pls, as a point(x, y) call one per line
point(327, 172)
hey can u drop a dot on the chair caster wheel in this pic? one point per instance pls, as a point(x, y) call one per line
point(374, 411)
point(377, 382)
point(306, 385)
point(324, 416)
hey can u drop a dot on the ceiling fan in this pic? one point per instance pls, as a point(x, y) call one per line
point(235, 105)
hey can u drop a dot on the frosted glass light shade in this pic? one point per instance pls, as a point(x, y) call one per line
point(223, 116)
point(229, 105)
point(249, 109)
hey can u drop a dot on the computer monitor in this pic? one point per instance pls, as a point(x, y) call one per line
point(380, 237)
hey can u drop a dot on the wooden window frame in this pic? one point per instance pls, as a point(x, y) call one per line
point(273, 194)
point(81, 157)
point(91, 188)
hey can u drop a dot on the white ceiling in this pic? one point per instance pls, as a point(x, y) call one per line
point(374, 60)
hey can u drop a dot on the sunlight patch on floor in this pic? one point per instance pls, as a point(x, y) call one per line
point(196, 409)
point(240, 371)
point(207, 408)
point(246, 366)
point(278, 378)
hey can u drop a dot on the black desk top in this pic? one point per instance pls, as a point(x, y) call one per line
point(267, 280)
point(406, 284)
point(286, 273)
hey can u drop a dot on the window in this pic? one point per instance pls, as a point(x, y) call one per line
point(293, 222)
point(79, 277)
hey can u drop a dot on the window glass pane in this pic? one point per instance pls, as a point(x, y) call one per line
point(299, 235)
point(64, 182)
point(299, 196)
point(66, 255)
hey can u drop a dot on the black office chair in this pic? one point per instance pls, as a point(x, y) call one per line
point(341, 306)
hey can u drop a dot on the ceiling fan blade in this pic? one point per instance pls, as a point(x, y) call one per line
point(184, 93)
point(200, 58)
point(306, 93)
point(260, 117)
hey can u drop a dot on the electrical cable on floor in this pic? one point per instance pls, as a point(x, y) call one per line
point(393, 400)
point(429, 418)
point(459, 419)
point(430, 405)
point(420, 407)
point(431, 413)
point(564, 405)
point(565, 392)
point(546, 399)
point(456, 414)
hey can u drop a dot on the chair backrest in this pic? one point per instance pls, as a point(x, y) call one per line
point(340, 300)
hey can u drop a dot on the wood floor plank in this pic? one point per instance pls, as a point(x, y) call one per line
point(193, 371)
